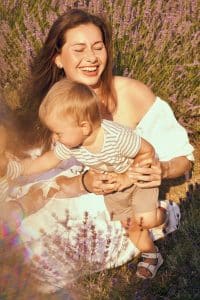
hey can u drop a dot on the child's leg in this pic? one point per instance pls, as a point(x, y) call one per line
point(139, 235)
point(139, 207)
point(151, 258)
point(145, 204)
point(146, 215)
point(137, 228)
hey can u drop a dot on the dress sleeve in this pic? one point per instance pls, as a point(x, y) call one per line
point(160, 127)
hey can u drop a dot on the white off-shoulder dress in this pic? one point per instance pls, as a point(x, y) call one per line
point(70, 237)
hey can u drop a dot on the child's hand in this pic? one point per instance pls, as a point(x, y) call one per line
point(122, 180)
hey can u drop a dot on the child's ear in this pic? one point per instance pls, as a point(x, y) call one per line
point(86, 128)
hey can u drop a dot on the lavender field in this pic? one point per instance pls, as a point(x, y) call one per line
point(156, 42)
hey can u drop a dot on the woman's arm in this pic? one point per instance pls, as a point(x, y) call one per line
point(175, 167)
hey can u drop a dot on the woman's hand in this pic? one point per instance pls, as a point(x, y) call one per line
point(105, 183)
point(122, 180)
point(147, 174)
point(100, 183)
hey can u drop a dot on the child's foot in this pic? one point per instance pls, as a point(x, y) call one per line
point(151, 262)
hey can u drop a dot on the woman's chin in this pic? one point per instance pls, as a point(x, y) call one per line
point(91, 81)
point(94, 84)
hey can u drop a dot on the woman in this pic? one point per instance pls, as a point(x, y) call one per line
point(78, 47)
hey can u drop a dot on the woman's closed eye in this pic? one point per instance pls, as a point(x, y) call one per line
point(98, 46)
point(79, 49)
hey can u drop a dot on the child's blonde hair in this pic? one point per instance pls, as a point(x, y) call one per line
point(68, 98)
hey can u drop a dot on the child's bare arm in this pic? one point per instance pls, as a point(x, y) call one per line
point(146, 152)
point(43, 163)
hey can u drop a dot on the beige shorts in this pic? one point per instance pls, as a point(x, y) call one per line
point(131, 201)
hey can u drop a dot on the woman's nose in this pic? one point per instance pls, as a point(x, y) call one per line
point(91, 56)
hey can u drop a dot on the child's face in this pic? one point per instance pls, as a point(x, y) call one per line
point(3, 138)
point(67, 132)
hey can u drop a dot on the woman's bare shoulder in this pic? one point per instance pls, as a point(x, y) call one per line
point(134, 95)
point(136, 89)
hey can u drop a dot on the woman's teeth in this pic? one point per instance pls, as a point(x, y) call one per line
point(89, 69)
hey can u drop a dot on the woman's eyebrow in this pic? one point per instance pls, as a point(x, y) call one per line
point(78, 44)
point(83, 44)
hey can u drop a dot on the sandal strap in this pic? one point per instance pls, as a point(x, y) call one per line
point(153, 255)
point(150, 268)
point(149, 255)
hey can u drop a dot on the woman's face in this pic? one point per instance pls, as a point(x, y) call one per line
point(83, 56)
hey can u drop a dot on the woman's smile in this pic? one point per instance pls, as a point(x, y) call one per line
point(89, 71)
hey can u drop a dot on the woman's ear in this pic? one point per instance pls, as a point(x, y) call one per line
point(86, 128)
point(58, 62)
